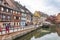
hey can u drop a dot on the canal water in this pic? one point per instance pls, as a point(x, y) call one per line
point(40, 34)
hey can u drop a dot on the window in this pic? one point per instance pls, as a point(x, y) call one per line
point(23, 18)
point(2, 8)
point(7, 10)
point(23, 14)
point(14, 23)
point(27, 11)
point(4, 16)
point(22, 23)
point(18, 23)
point(8, 17)
point(11, 11)
point(14, 17)
point(0, 16)
point(19, 17)
point(16, 12)
point(22, 10)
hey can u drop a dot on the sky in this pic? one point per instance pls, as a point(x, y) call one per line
point(50, 7)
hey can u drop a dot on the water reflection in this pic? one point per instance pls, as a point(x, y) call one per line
point(52, 36)
point(39, 35)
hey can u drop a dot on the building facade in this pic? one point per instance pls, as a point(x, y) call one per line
point(26, 15)
point(5, 12)
point(36, 17)
point(11, 13)
point(39, 17)
point(58, 18)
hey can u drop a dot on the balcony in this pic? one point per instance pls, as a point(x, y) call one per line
point(16, 14)
point(5, 20)
point(15, 20)
point(7, 13)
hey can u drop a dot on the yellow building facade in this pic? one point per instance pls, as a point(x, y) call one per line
point(36, 17)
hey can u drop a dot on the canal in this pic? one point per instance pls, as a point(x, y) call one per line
point(40, 34)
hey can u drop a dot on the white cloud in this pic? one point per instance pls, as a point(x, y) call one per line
point(46, 6)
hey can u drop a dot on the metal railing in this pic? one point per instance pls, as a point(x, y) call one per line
point(15, 29)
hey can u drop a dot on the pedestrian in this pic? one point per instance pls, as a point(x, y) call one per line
point(7, 28)
point(1, 29)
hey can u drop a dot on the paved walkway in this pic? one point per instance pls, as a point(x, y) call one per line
point(2, 37)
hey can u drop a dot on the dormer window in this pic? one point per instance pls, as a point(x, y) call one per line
point(5, 2)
